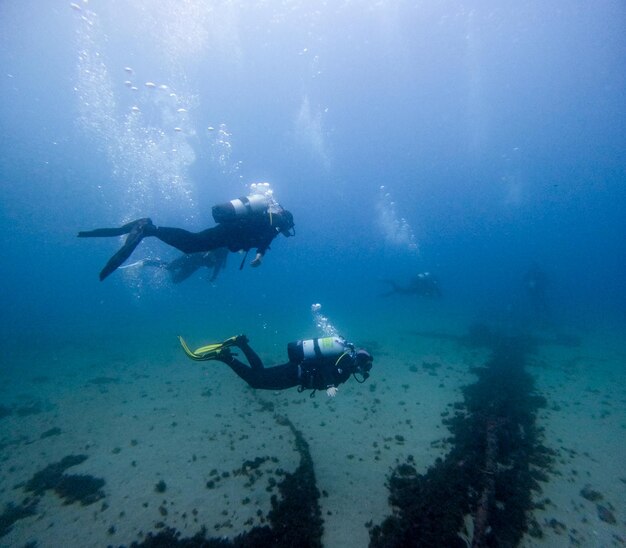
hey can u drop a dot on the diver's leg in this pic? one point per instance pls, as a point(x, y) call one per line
point(184, 271)
point(178, 268)
point(191, 242)
point(178, 262)
point(243, 371)
point(272, 378)
point(277, 377)
point(251, 355)
point(253, 374)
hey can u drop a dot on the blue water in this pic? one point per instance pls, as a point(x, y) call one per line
point(497, 131)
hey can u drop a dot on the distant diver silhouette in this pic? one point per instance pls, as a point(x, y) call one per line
point(424, 285)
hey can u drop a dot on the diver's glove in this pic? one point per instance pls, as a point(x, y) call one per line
point(331, 391)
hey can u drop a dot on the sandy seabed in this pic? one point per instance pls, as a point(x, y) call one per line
point(184, 445)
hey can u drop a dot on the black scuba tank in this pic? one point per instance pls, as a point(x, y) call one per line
point(240, 207)
point(324, 347)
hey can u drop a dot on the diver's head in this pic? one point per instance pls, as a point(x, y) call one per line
point(285, 223)
point(363, 363)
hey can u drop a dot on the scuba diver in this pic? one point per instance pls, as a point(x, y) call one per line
point(184, 266)
point(243, 223)
point(424, 285)
point(314, 364)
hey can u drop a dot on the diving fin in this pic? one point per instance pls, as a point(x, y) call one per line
point(140, 262)
point(204, 353)
point(135, 235)
point(208, 352)
point(108, 232)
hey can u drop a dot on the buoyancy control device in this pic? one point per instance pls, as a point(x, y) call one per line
point(325, 347)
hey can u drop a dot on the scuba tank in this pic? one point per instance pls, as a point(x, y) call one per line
point(240, 207)
point(325, 347)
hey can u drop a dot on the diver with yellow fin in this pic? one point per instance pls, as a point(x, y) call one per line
point(314, 364)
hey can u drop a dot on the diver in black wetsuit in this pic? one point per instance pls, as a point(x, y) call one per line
point(184, 266)
point(424, 285)
point(244, 223)
point(312, 364)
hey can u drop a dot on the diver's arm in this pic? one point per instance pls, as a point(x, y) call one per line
point(265, 238)
point(260, 253)
point(252, 357)
point(328, 379)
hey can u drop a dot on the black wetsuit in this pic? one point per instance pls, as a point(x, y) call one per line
point(242, 234)
point(316, 374)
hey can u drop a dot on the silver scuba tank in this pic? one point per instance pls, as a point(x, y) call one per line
point(316, 348)
point(240, 207)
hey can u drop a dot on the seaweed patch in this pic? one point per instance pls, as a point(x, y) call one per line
point(71, 488)
point(13, 513)
point(294, 518)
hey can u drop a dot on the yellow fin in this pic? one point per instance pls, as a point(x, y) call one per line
point(192, 355)
point(208, 352)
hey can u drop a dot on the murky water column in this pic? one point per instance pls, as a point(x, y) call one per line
point(143, 126)
point(395, 229)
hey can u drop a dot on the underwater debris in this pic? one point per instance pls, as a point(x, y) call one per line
point(489, 471)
